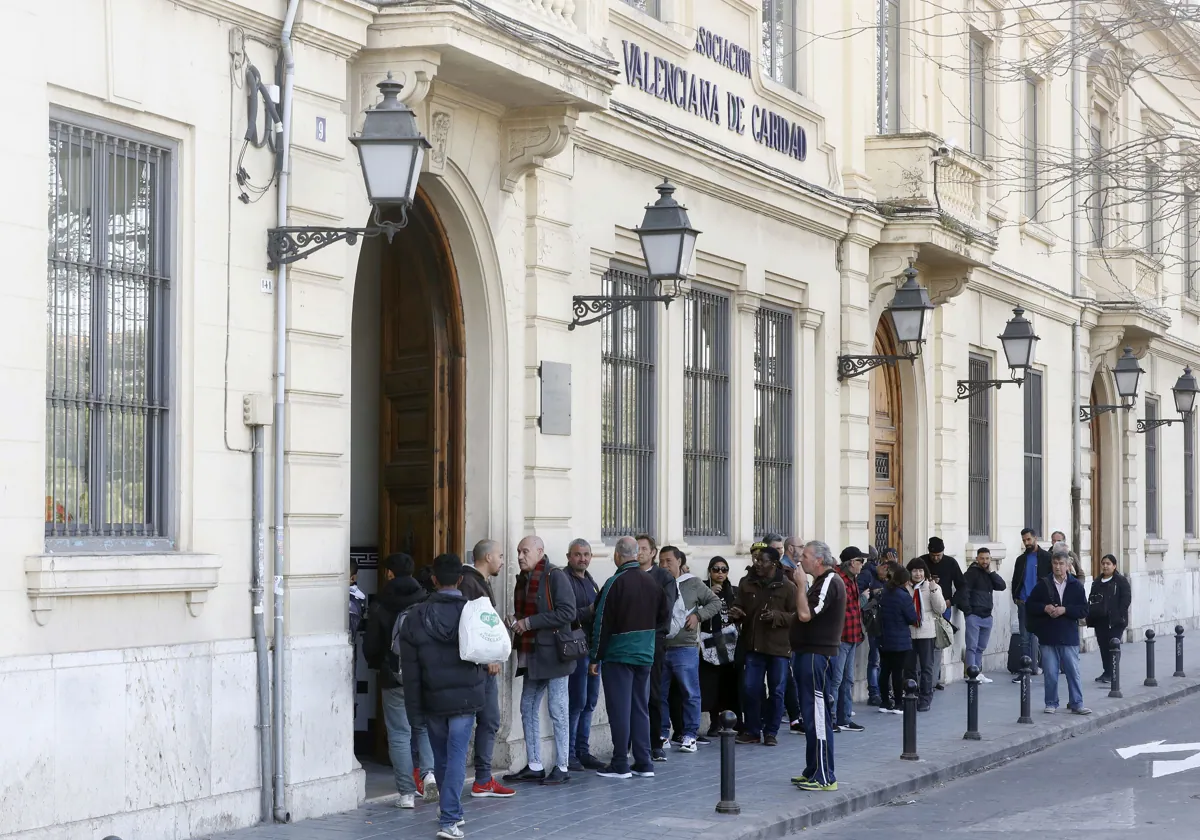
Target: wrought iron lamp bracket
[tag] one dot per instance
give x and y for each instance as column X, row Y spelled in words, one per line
column 1088, row 412
column 288, row 244
column 968, row 388
column 588, row 309
column 1144, row 426
column 851, row 366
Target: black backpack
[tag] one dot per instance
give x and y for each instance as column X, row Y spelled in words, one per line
column 392, row 658
column 871, row 620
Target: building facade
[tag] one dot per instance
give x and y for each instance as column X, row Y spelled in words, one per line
column 434, row 389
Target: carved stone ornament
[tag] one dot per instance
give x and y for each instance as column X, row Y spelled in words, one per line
column 529, row 138
column 439, row 138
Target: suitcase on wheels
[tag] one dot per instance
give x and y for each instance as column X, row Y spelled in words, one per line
column 1015, row 651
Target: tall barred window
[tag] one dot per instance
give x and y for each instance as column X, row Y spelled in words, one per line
column 774, row 424
column 706, row 415
column 108, row 336
column 627, row 408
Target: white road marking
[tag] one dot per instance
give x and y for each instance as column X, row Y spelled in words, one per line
column 1164, row 768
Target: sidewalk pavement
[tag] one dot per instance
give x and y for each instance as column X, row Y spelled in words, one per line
column 679, row 803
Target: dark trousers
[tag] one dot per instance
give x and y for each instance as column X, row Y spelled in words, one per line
column 660, row 645
column 1105, row 633
column 627, row 697
column 675, row 704
column 891, row 677
column 815, row 673
column 719, row 692
column 920, row 666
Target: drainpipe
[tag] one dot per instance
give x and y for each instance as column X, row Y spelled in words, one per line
column 285, row 157
column 259, row 619
column 1076, row 329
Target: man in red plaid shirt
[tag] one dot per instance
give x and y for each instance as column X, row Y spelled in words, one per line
column 841, row 684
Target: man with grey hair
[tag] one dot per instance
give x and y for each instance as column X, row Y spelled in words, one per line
column 629, row 610
column 816, row 640
column 1054, row 607
column 583, row 688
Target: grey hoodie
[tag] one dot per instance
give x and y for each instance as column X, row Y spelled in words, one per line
column 698, row 599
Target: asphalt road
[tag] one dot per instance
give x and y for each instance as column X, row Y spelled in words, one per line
column 1080, row 788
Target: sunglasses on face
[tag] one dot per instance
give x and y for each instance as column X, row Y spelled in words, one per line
column 720, row 570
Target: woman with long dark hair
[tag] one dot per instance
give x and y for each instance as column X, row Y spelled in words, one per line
column 1108, row 610
column 896, row 615
column 719, row 677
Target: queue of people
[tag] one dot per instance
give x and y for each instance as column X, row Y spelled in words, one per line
column 666, row 647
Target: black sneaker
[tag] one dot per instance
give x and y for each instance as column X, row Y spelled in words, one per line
column 714, row 732
column 590, row 762
column 702, row 741
column 676, row 740
column 643, row 772
column 525, row 775
column 558, row 776
column 1017, row 678
column 940, row 687
column 609, row 772
column 837, row 728
column 575, row 766
column 853, row 727
column 797, row 727
column 658, row 754
column 874, row 700
column 1104, row 678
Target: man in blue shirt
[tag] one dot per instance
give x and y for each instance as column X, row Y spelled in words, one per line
column 1031, row 566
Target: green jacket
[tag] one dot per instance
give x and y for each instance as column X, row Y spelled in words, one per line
column 697, row 599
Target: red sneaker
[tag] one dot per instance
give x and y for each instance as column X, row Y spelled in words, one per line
column 491, row 789
column 420, row 783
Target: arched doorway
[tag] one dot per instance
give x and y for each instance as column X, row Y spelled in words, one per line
column 887, row 446
column 421, row 392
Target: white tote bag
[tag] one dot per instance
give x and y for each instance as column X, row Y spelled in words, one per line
column 482, row 636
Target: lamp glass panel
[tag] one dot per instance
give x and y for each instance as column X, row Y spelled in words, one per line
column 1127, row 382
column 1185, row 399
column 909, row 324
column 1019, row 351
column 689, row 252
column 661, row 251
column 387, row 169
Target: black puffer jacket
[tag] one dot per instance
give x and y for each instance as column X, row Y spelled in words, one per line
column 436, row 681
column 399, row 594
column 975, row 596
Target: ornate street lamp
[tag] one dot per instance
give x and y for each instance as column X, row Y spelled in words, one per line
column 1020, row 343
column 390, row 149
column 1184, row 391
column 1126, row 372
column 668, row 245
column 909, row 311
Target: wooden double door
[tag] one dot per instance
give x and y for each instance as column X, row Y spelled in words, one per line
column 422, row 409
column 887, row 447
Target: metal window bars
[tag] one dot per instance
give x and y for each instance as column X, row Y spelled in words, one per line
column 706, row 415
column 979, row 453
column 774, row 425
column 628, row 409
column 108, row 293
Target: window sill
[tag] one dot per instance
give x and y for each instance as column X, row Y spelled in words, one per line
column 1156, row 547
column 1036, row 230
column 1192, row 307
column 49, row 577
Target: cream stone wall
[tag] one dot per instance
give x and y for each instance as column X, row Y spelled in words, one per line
column 132, row 711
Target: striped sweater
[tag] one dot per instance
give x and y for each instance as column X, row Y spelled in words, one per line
column 629, row 609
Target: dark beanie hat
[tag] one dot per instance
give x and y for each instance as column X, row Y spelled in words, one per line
column 936, row 545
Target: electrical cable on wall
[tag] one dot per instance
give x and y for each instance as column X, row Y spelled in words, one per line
column 269, row 136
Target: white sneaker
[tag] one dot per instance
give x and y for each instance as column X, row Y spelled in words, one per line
column 431, row 791
column 984, row 679
column 451, row 832
column 688, row 745
column 406, row 800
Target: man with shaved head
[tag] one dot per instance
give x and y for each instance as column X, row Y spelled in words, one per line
column 543, row 603
column 487, row 561
column 629, row 610
column 584, row 688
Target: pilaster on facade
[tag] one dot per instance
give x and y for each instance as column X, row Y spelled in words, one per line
column 813, row 458
column 856, row 270
column 741, row 533
column 1132, row 515
column 948, row 478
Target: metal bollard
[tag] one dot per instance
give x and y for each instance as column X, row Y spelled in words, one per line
column 1150, row 681
column 972, row 733
column 1179, row 651
column 910, row 722
column 1026, row 691
column 1115, row 690
column 728, row 803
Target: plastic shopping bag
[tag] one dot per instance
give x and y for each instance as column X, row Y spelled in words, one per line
column 482, row 636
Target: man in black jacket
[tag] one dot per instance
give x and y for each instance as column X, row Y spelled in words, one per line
column 444, row 692
column 974, row 600
column 647, row 553
column 1031, row 566
column 400, row 594
column 583, row 687
column 945, row 571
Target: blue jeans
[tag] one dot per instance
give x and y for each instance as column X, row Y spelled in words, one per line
column 841, row 684
column 774, row 669
column 487, row 724
column 873, row 666
column 1066, row 658
column 979, row 633
column 449, row 737
column 400, row 741
column 682, row 664
column 815, row 673
column 627, row 698
column 560, row 716
column 584, row 694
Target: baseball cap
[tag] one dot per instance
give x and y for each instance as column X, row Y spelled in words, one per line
column 851, row 552
column 757, row 547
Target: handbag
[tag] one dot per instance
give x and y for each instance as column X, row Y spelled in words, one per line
column 944, row 630
column 569, row 643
